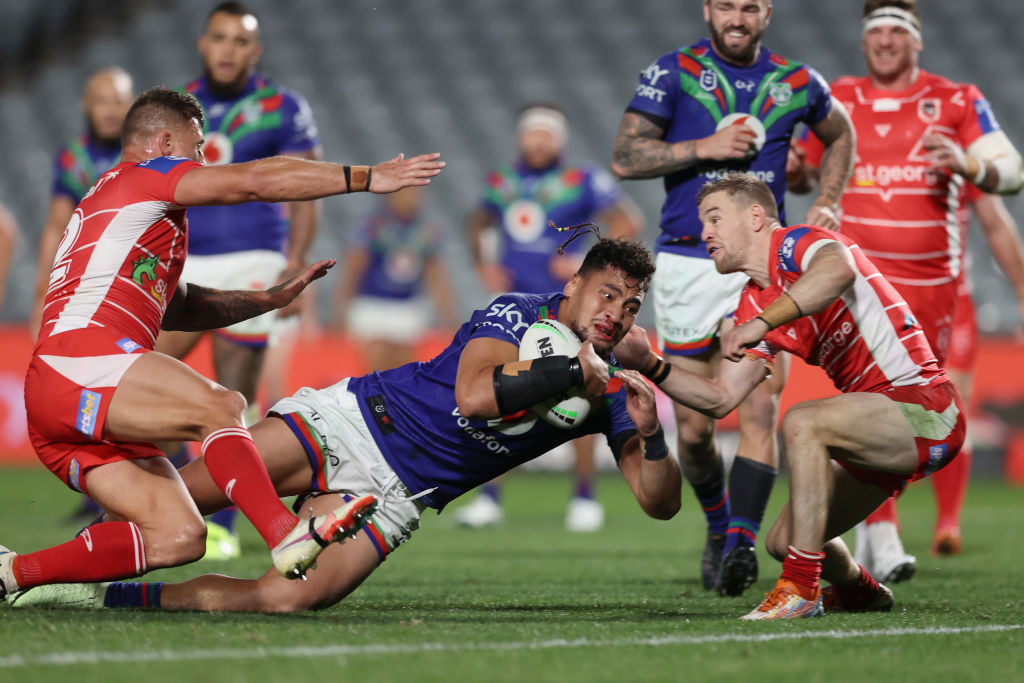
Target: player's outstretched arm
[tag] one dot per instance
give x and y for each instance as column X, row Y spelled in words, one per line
column 196, row 308
column 645, row 462
column 837, row 134
column 285, row 179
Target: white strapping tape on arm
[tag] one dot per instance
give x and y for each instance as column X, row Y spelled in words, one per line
column 996, row 148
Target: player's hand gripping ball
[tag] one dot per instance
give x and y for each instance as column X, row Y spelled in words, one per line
column 552, row 338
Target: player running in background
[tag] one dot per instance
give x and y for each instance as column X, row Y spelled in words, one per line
column 726, row 103
column 97, row 395
column 105, row 100
column 420, row 435
column 921, row 140
column 395, row 254
column 814, row 293
column 252, row 245
column 515, row 251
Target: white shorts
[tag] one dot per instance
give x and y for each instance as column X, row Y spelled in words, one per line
column 250, row 270
column 401, row 322
column 691, row 299
column 345, row 459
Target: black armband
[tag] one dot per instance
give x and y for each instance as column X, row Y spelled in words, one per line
column 658, row 372
column 547, row 377
column 654, row 445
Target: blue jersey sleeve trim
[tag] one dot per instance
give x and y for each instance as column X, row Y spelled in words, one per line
column 162, row 164
column 787, row 250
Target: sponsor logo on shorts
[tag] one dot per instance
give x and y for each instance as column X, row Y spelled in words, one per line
column 74, row 472
column 127, row 345
column 87, row 537
column 937, row 456
column 88, row 409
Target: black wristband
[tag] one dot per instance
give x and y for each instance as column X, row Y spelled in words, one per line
column 547, row 377
column 658, row 372
column 655, row 447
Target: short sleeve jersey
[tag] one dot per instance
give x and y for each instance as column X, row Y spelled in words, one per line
column 263, row 120
column 692, row 93
column 79, row 164
column 119, row 260
column 522, row 201
column 412, row 414
column 867, row 340
column 399, row 250
column 906, row 217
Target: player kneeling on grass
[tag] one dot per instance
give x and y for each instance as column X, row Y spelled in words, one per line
column 422, row 434
column 813, row 293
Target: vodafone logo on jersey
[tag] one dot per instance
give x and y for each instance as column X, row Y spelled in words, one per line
column 217, row 149
column 750, row 121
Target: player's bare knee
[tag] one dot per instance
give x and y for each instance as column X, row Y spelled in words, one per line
column 180, row 543
column 225, row 408
column 696, row 435
column 800, row 423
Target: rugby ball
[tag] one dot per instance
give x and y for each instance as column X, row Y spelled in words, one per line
column 749, row 121
column 552, row 338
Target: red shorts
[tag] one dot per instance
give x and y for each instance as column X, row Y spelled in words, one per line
column 934, row 307
column 963, row 339
column 938, row 422
column 68, row 388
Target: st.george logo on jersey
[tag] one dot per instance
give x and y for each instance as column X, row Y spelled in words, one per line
column 552, row 338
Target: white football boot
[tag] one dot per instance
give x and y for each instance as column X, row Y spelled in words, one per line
column 890, row 563
column 584, row 515
column 482, row 512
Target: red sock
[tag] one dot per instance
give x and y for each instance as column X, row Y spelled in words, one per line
column 102, row 552
column 237, row 469
column 886, row 512
column 804, row 569
column 861, row 593
column 950, row 485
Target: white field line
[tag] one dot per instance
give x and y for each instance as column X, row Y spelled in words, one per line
column 76, row 658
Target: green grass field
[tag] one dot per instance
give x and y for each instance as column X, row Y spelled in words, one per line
column 530, row 602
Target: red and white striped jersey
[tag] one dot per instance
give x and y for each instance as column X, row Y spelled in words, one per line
column 118, row 263
column 867, row 340
column 907, row 219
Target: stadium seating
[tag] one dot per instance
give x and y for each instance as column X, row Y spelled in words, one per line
column 389, row 76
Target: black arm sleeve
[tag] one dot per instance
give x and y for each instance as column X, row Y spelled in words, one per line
column 547, row 377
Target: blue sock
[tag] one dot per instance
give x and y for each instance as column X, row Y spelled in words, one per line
column 492, row 491
column 750, row 486
column 584, row 487
column 714, row 500
column 181, row 457
column 225, row 518
column 131, row 594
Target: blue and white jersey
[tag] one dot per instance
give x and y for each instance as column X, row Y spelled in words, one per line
column 399, row 251
column 522, row 200
column 263, row 120
column 691, row 92
column 412, row 414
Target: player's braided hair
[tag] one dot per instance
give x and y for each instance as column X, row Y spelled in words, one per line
column 745, row 185
column 157, row 107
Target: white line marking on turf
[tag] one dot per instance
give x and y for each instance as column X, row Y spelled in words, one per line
column 74, row 658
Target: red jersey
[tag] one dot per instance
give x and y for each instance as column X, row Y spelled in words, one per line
column 907, row 218
column 119, row 260
column 867, row 340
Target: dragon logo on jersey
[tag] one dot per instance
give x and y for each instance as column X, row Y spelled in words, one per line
column 147, row 267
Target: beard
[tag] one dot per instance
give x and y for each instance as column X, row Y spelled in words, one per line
column 741, row 55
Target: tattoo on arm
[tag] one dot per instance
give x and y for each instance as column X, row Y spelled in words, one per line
column 202, row 308
column 640, row 151
column 836, row 132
